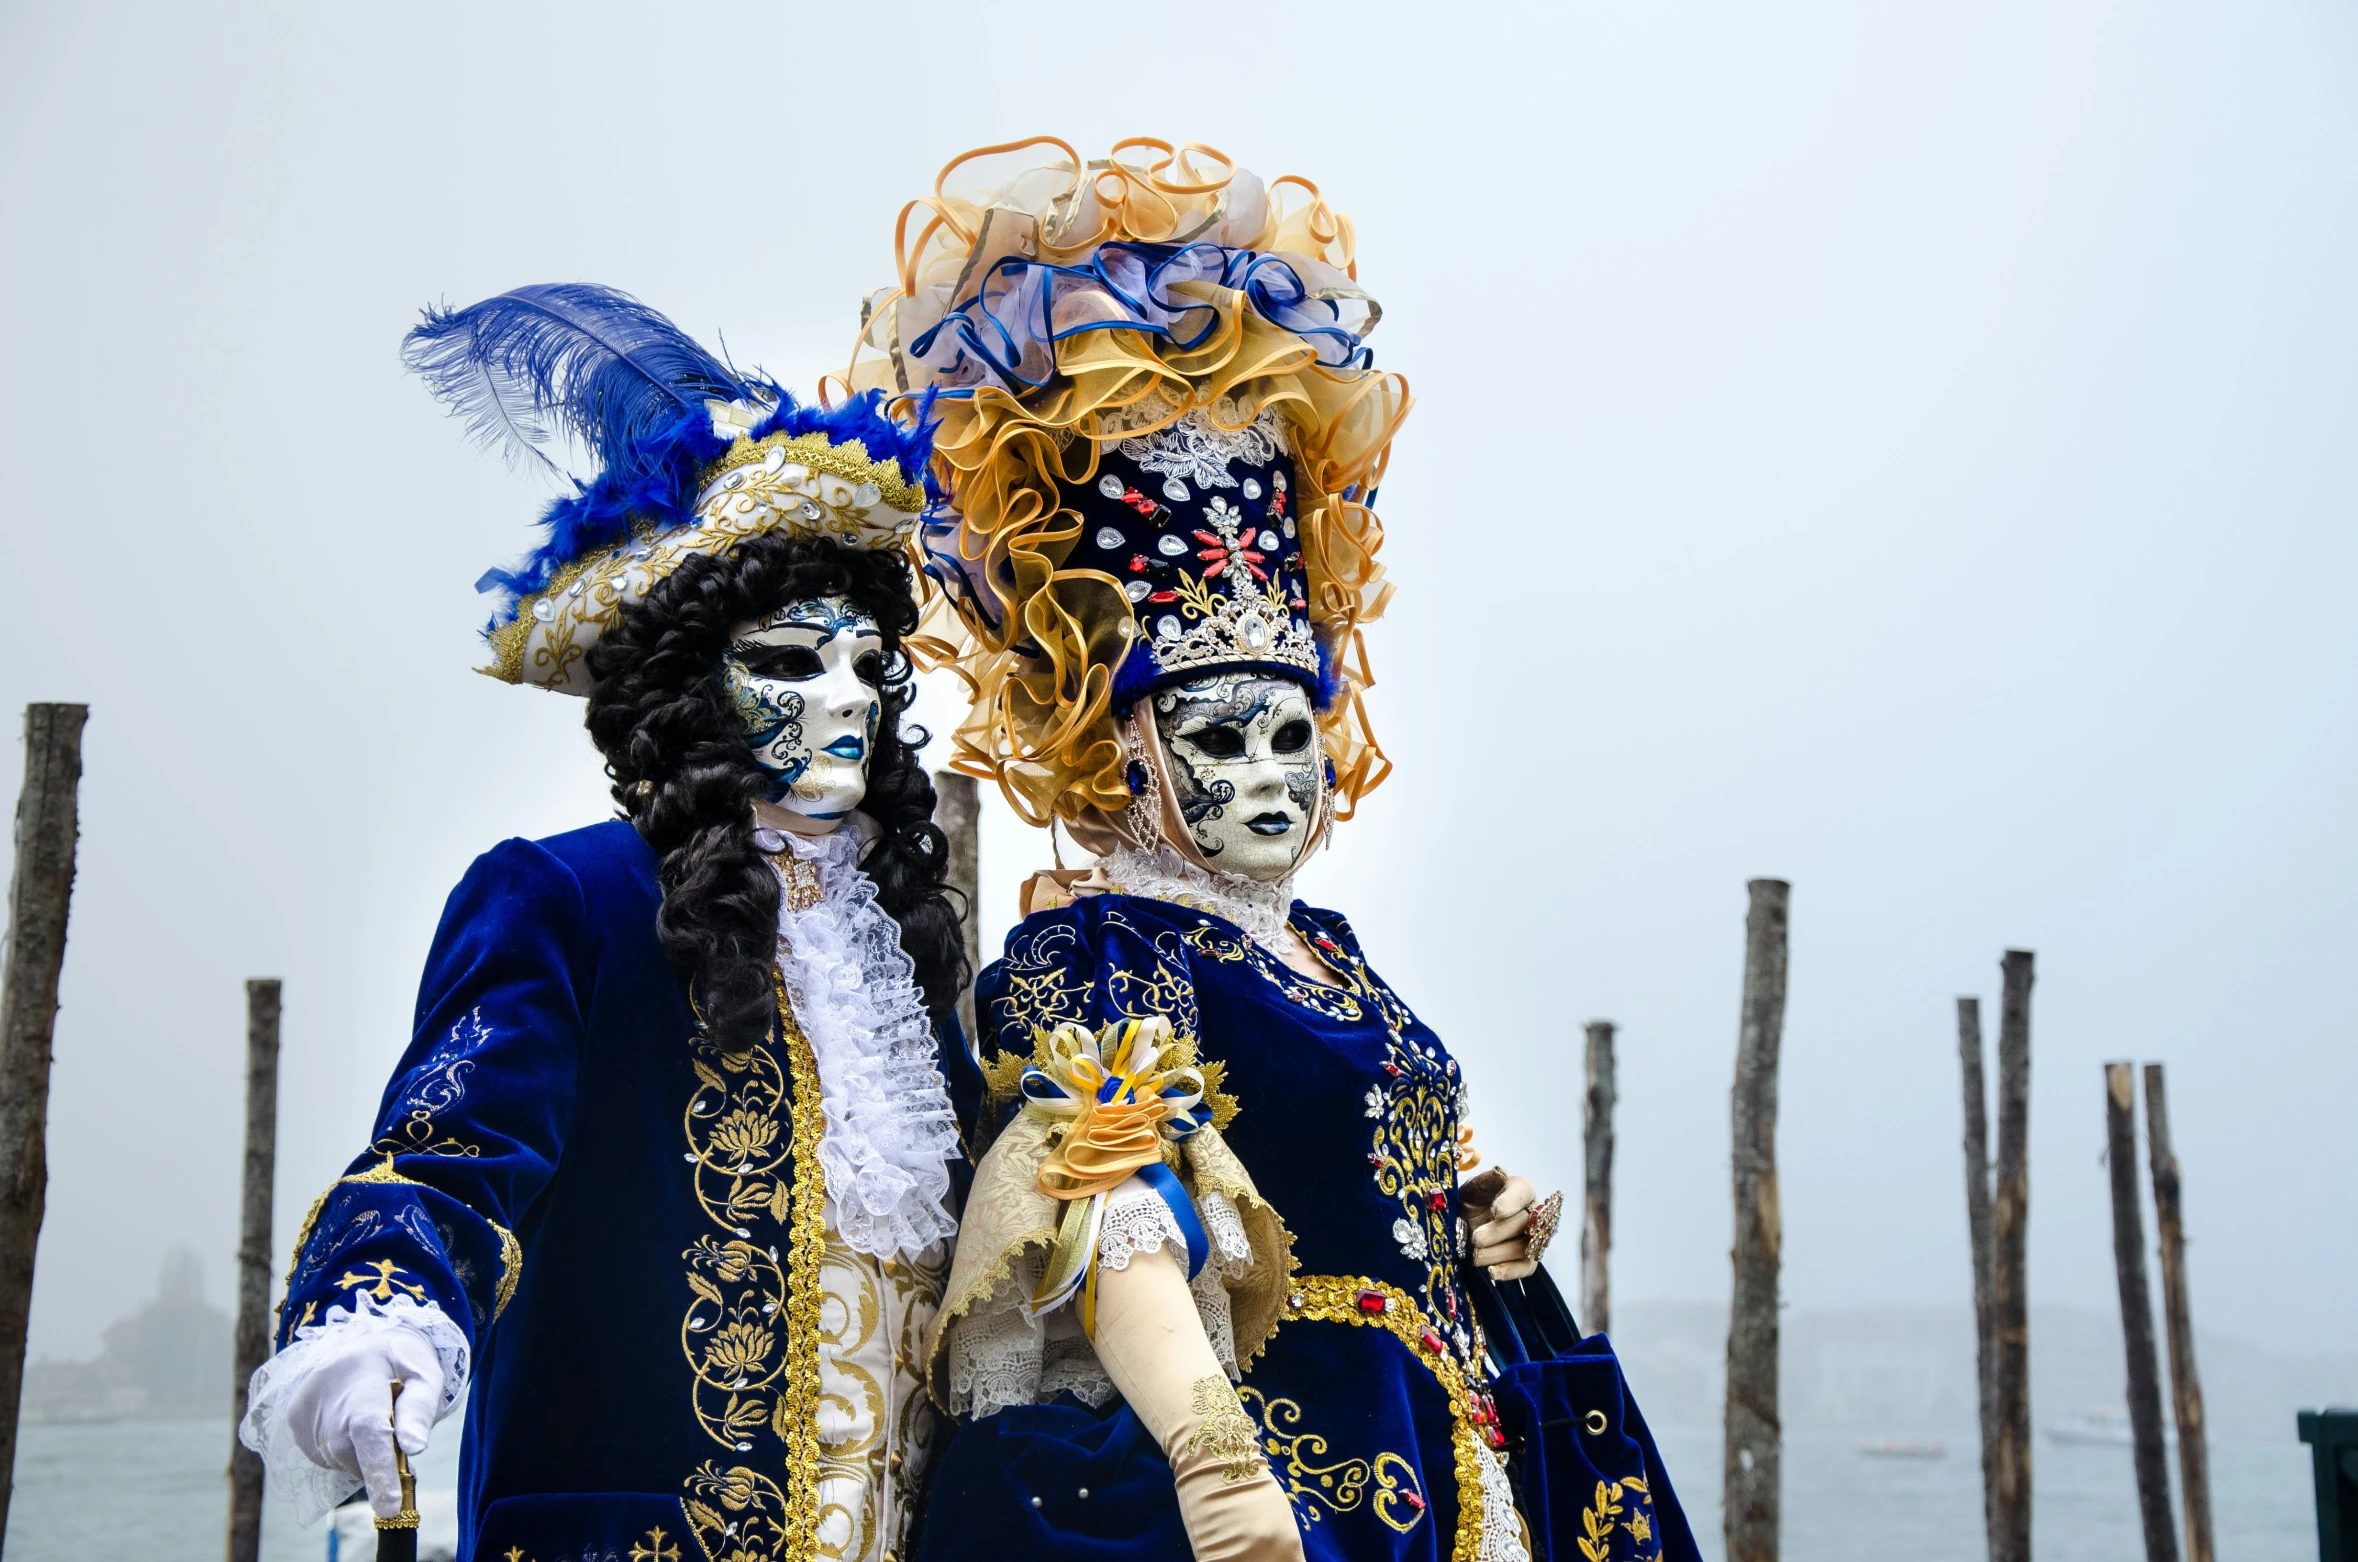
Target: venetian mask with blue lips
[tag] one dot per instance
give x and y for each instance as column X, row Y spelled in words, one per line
column 806, row 684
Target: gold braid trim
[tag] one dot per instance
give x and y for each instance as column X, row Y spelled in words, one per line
column 1335, row 1299
column 798, row 1408
column 849, row 461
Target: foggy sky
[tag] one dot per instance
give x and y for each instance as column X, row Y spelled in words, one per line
column 1904, row 450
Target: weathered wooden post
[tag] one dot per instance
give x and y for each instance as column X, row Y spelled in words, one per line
column 252, row 1341
column 2128, row 1262
column 2194, row 1460
column 1977, row 1231
column 40, row 889
column 958, row 810
column 1752, row 1478
column 2010, row 1492
column 1596, row 1227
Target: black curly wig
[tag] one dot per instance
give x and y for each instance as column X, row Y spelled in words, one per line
column 685, row 777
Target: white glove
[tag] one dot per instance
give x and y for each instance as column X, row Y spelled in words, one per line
column 343, row 1416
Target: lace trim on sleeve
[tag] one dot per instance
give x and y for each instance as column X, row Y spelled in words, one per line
column 316, row 1491
column 1000, row 1356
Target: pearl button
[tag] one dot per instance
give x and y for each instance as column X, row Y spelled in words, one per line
column 1084, row 1493
column 1035, row 1502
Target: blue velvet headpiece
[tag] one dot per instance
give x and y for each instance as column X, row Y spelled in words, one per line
column 1197, row 524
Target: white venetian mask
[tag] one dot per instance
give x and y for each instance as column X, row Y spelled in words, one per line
column 1245, row 755
column 805, row 682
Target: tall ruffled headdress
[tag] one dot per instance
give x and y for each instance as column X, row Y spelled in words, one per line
column 1158, row 433
column 692, row 457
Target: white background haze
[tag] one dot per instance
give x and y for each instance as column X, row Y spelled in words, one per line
column 1905, row 450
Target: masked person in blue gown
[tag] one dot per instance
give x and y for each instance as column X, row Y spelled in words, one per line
column 662, row 1188
column 1217, row 1286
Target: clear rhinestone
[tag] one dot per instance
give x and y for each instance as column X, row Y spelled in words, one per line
column 867, row 496
column 1167, row 627
column 1109, row 538
column 810, row 509
column 1252, row 488
column 579, row 586
column 1110, row 486
column 1174, row 490
column 1269, row 542
column 1136, row 590
column 544, row 610
column 1289, row 525
column 1169, row 547
column 775, row 459
column 736, row 480
column 1256, row 633
column 643, row 552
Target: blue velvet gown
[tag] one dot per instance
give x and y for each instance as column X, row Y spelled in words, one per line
column 1371, row 1397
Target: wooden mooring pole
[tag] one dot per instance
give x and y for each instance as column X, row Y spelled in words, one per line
column 40, row 890
column 1752, row 1468
column 2128, row 1261
column 957, row 809
column 1596, row 1226
column 1977, row 1229
column 2194, row 1460
column 2010, row 1491
column 251, row 1344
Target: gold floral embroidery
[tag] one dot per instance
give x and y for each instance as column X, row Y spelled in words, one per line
column 1414, row 1162
column 1235, row 949
column 752, row 1330
column 1375, row 1304
column 1597, row 1521
column 1338, row 1487
column 653, row 1549
column 1225, row 1435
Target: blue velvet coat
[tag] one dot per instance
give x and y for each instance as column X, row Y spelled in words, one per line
column 1373, row 1397
column 608, row 1208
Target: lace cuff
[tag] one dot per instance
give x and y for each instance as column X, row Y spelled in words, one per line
column 316, row 1491
column 1138, row 1221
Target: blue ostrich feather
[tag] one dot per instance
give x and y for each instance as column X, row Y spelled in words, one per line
column 566, row 358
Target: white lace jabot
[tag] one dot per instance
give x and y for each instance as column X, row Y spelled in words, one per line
column 1162, row 874
column 890, row 1133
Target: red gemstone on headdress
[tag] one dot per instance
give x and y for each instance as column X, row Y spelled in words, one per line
column 1137, row 563
column 1162, row 596
column 1139, row 502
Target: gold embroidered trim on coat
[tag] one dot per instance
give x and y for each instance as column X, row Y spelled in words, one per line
column 511, row 1252
column 740, row 1287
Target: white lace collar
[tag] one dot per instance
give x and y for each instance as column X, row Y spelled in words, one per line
column 890, row 1132
column 1262, row 910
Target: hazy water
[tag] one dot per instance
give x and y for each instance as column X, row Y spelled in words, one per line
column 156, row 1493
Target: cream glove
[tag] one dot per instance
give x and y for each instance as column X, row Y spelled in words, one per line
column 1498, row 1207
column 1151, row 1342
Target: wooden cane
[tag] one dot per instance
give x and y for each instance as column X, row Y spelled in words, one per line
column 397, row 1537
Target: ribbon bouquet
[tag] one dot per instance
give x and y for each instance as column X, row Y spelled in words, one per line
column 1126, row 1113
